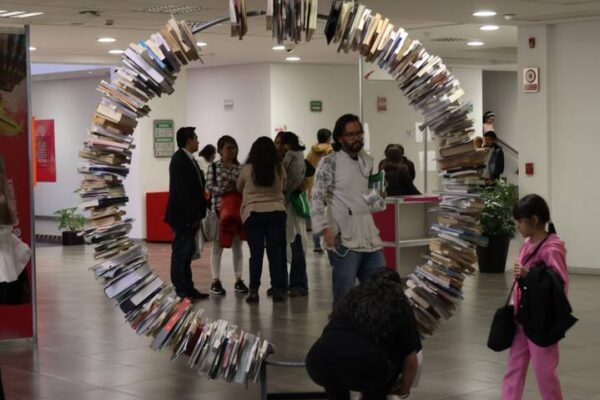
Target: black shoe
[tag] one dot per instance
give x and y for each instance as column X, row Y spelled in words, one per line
column 318, row 251
column 196, row 295
column 278, row 296
column 240, row 286
column 217, row 288
column 297, row 292
column 252, row 297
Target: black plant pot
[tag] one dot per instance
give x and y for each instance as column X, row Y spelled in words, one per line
column 492, row 259
column 71, row 239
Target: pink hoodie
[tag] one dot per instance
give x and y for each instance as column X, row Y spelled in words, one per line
column 552, row 253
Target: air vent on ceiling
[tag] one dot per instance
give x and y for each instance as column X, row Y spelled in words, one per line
column 174, row 9
column 450, row 40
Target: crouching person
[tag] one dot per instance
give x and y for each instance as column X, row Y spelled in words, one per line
column 370, row 344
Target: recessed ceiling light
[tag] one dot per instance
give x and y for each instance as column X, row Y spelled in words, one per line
column 293, row 58
column 107, row 39
column 31, row 48
column 201, row 44
column 11, row 13
column 116, row 51
column 279, row 48
column 475, row 43
column 27, row 15
column 489, row 28
column 484, row 13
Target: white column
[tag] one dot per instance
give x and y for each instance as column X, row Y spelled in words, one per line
column 533, row 118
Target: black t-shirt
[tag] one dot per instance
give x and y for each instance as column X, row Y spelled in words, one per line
column 345, row 339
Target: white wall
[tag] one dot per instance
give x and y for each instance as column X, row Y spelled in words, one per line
column 249, row 88
column 293, row 86
column 500, row 95
column 471, row 80
column 575, row 140
column 70, row 103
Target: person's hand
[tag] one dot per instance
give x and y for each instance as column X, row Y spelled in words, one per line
column 401, row 392
column 329, row 237
column 519, row 271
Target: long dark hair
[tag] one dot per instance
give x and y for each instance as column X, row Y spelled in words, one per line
column 340, row 125
column 264, row 160
column 224, row 141
column 291, row 139
column 207, row 152
column 378, row 308
column 534, row 205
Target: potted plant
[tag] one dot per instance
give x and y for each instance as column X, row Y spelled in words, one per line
column 498, row 225
column 70, row 223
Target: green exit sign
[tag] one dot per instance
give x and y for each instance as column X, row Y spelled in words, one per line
column 316, row 106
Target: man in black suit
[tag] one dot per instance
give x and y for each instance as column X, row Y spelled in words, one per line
column 185, row 209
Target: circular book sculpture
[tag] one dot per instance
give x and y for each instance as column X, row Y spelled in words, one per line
column 149, row 68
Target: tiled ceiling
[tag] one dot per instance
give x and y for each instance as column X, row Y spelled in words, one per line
column 68, row 29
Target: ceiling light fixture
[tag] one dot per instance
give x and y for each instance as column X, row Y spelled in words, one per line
column 116, row 51
column 293, row 58
column 107, row 39
column 278, row 48
column 31, row 48
column 489, row 28
column 475, row 43
column 27, row 15
column 484, row 13
column 12, row 13
column 201, row 44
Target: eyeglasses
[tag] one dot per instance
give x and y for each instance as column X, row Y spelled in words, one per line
column 354, row 135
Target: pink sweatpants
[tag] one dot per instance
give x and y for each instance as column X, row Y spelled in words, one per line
column 545, row 362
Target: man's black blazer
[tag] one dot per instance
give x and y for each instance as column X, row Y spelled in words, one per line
column 186, row 204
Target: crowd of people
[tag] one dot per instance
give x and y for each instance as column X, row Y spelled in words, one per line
column 281, row 195
column 371, row 342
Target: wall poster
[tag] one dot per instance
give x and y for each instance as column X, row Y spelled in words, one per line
column 45, row 154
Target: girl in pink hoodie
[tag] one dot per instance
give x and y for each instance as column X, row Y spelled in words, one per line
column 532, row 215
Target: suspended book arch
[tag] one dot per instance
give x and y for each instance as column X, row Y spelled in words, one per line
column 149, row 69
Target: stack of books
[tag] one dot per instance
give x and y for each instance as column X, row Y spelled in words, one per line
column 434, row 288
column 288, row 19
column 149, row 69
column 216, row 348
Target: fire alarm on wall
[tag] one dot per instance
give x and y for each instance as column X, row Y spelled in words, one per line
column 532, row 43
column 529, row 169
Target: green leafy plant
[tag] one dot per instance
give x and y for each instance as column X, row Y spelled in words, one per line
column 68, row 220
column 496, row 217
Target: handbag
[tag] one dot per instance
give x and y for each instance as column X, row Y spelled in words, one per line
column 504, row 327
column 299, row 202
column 210, row 224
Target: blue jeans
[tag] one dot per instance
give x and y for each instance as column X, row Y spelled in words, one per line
column 267, row 228
column 298, row 278
column 348, row 265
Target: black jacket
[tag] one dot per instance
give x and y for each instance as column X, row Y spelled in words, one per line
column 496, row 162
column 186, row 204
column 544, row 312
